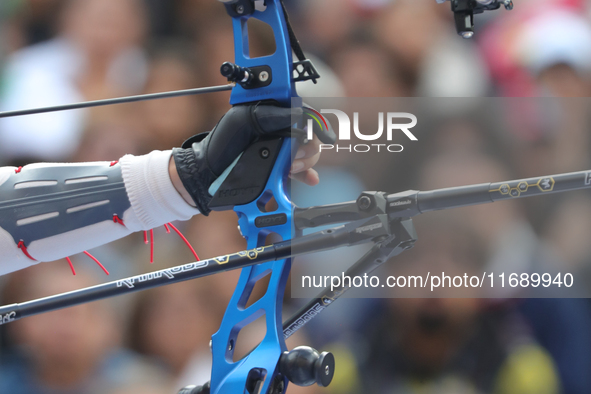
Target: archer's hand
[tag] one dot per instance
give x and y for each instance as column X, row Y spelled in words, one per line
column 203, row 158
column 306, row 158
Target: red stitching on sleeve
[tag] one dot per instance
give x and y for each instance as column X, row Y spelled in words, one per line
column 98, row 262
column 71, row 266
column 185, row 240
column 21, row 246
column 117, row 219
column 151, row 246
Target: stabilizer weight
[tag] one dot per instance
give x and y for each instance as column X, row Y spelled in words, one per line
column 304, row 366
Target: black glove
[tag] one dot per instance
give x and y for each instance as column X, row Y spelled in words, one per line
column 204, row 157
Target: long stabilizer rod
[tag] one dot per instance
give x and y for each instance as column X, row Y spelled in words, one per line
column 455, row 197
column 412, row 203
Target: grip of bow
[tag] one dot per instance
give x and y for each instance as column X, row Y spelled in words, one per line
column 270, row 79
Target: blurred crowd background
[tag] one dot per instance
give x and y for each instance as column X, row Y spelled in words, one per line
column 61, row 51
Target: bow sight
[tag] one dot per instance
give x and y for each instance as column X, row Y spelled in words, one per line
column 464, row 11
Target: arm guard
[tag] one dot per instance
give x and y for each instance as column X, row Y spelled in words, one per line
column 50, row 211
column 44, row 200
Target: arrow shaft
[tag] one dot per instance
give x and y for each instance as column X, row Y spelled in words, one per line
column 120, row 100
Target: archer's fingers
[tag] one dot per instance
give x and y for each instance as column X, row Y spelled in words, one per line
column 304, row 164
column 312, row 148
column 309, row 177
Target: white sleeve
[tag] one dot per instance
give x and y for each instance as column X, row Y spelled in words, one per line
column 154, row 202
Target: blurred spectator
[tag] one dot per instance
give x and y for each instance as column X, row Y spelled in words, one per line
column 435, row 63
column 112, row 132
column 556, row 47
column 180, row 18
column 366, row 70
column 36, row 20
column 215, row 40
column 457, row 345
column 10, row 35
column 562, row 326
column 75, row 350
column 543, row 48
column 174, row 324
column 328, row 24
column 94, row 56
column 169, row 122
